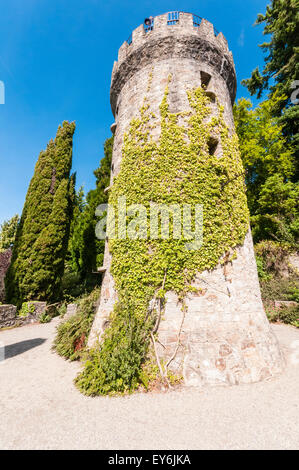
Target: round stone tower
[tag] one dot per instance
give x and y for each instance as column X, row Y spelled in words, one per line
column 224, row 336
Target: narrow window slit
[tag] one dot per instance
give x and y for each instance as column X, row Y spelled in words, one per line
column 212, row 96
column 212, row 145
column 205, row 79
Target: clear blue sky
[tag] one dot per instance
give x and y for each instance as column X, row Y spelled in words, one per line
column 56, row 58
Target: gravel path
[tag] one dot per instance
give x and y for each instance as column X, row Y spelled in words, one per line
column 41, row 409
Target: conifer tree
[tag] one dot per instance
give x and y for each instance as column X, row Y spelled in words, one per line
column 42, row 235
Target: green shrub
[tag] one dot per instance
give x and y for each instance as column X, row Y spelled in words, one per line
column 294, row 293
column 280, row 288
column 72, row 286
column 272, row 257
column 62, row 309
column 278, row 281
column 72, row 334
column 262, row 273
column 115, row 367
column 44, row 318
column 26, row 309
column 288, row 315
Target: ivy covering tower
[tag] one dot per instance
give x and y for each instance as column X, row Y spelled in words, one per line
column 194, row 310
column 42, row 236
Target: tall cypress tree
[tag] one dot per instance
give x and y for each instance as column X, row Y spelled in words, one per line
column 42, row 236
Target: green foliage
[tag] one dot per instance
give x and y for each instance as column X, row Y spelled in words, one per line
column 177, row 169
column 62, row 309
column 41, row 241
column 85, row 250
column 273, row 256
column 294, row 293
column 73, row 286
column 72, row 334
column 116, row 366
column 45, row 318
column 73, row 254
column 278, row 281
column 280, row 288
column 278, row 211
column 8, row 233
column 26, row 309
column 269, row 165
column 288, row 315
column 263, row 148
column 150, row 377
column 262, row 273
column 281, row 22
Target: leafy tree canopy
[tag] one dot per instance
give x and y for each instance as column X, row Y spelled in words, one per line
column 269, row 166
column 8, row 233
column 281, row 70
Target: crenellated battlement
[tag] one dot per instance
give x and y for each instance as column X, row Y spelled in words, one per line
column 163, row 25
column 173, row 34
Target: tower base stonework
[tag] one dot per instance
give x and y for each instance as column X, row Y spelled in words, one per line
column 220, row 335
column 224, row 337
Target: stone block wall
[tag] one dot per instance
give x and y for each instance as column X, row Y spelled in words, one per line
column 225, row 337
column 8, row 315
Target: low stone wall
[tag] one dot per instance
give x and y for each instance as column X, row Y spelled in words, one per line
column 32, row 311
column 9, row 317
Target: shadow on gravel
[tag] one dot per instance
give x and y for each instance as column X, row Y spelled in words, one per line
column 18, row 348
